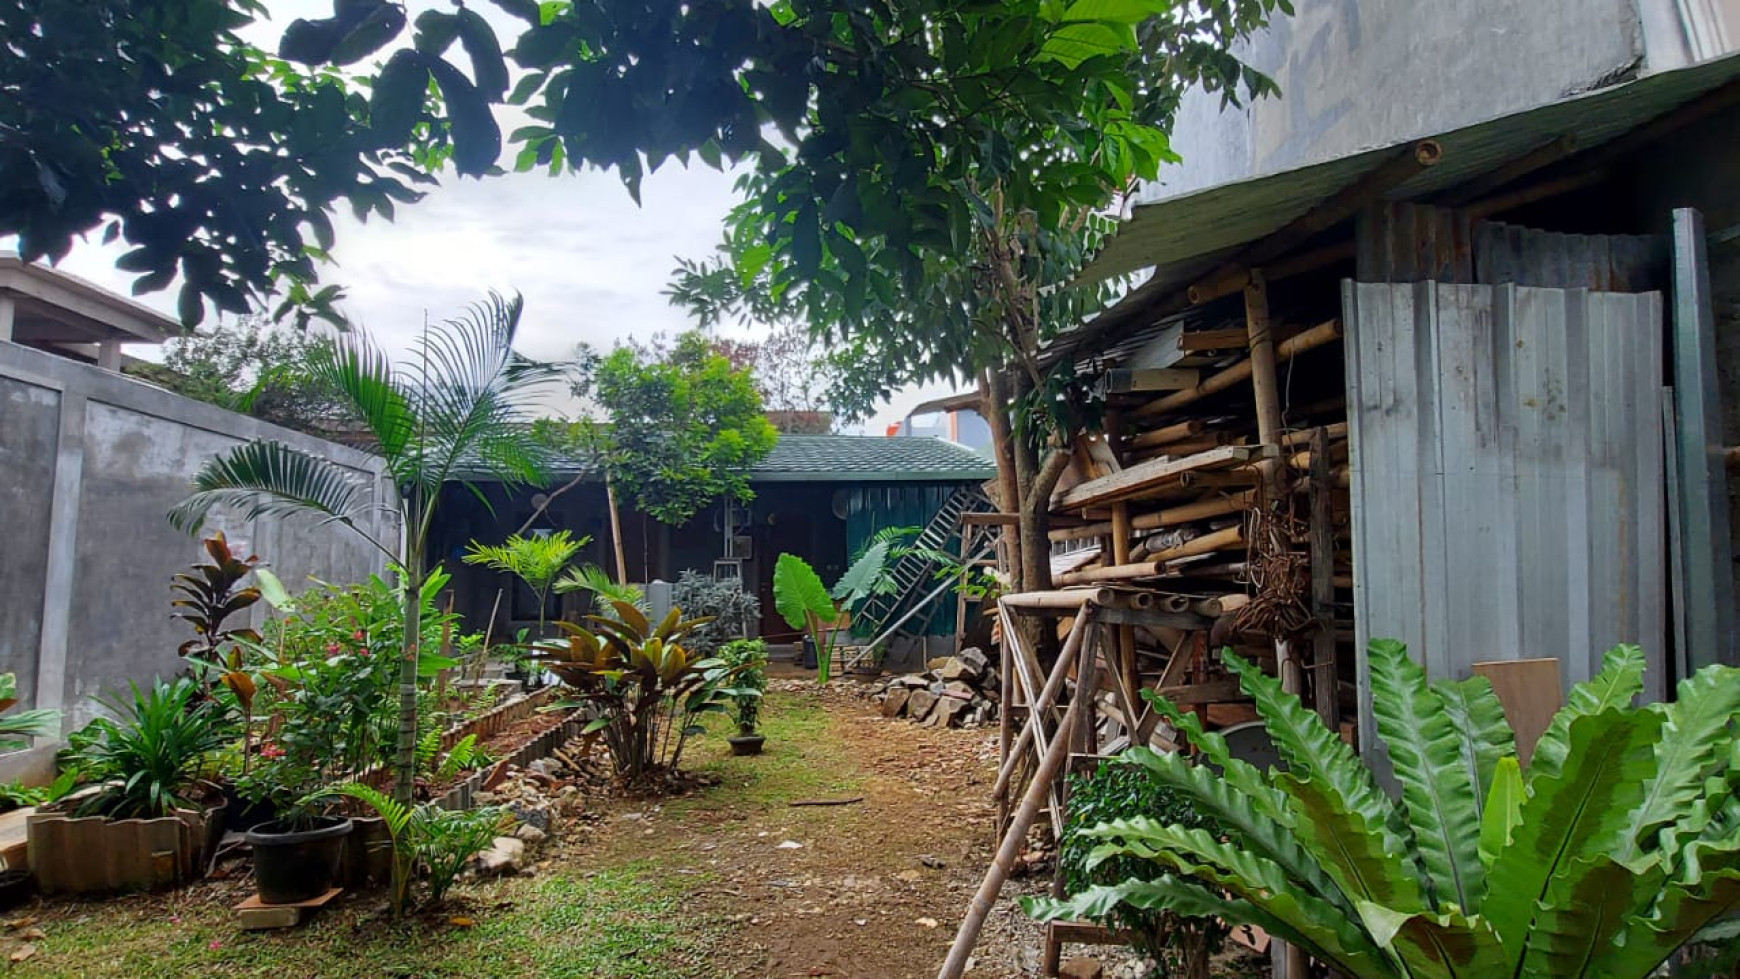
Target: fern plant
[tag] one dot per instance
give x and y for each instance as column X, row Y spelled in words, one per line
column 1617, row 845
column 426, row 839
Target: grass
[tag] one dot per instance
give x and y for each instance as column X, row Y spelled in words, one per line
column 614, row 913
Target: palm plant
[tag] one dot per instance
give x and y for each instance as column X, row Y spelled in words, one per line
column 536, row 560
column 1619, row 843
column 149, row 756
column 450, row 413
column 16, row 727
column 604, row 589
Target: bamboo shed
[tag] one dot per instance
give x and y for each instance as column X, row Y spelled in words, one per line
column 1458, row 391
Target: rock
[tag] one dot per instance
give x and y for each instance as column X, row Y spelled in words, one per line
column 504, row 857
column 1081, row 969
column 949, row 712
column 959, row 690
column 975, row 659
column 530, row 834
column 936, row 663
column 532, row 815
column 937, row 687
column 919, row 705
column 895, row 704
column 910, row 682
column 547, row 767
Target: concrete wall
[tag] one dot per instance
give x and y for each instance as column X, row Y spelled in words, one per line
column 91, row 462
column 1355, row 74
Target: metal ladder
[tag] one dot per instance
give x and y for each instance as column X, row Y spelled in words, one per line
column 914, row 573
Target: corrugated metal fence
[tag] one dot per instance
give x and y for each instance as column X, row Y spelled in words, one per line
column 1507, row 474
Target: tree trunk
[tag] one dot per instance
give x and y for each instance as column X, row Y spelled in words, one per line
column 405, row 760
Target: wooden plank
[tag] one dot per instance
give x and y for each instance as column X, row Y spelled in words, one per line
column 1212, row 692
column 1119, row 380
column 1147, row 475
column 1232, row 338
column 1319, row 335
column 991, row 519
column 1531, row 693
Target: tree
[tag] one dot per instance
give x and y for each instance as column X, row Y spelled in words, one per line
column 448, row 414
column 154, row 121
column 681, row 426
column 796, row 385
column 250, row 366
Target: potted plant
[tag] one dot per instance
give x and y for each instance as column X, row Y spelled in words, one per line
column 747, row 661
column 297, row 854
column 149, row 763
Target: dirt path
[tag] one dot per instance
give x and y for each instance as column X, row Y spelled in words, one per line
column 872, row 888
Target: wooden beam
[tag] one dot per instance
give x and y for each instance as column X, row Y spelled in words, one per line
column 1318, row 336
column 1234, row 280
column 1552, row 151
column 1119, row 380
column 1169, row 433
column 1147, row 475
column 991, row 519
column 1531, row 193
column 1264, row 385
column 1212, row 692
column 1231, row 338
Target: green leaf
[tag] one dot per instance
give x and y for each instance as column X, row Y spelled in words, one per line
column 1577, row 813
column 860, row 580
column 396, row 103
column 274, row 591
column 798, row 593
column 271, row 479
column 1586, row 904
column 1618, row 683
column 1439, row 794
column 1503, row 809
column 1479, row 720
column 488, row 69
column 1696, row 737
column 436, row 30
column 309, row 42
column 374, row 32
column 476, row 137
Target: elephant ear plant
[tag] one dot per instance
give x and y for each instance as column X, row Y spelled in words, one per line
column 1618, row 844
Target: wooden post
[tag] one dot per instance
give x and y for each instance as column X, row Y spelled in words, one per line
column 1122, row 531
column 616, row 529
column 1005, row 720
column 1044, row 703
column 998, row 874
column 1324, row 678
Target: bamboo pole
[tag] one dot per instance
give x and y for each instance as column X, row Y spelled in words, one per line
column 1319, row 335
column 1188, row 512
column 1214, row 608
column 1323, row 672
column 1115, row 572
column 1169, row 433
column 1064, row 599
column 1047, row 701
column 998, row 873
column 1220, row 540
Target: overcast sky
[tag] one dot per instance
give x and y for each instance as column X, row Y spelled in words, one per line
column 590, row 263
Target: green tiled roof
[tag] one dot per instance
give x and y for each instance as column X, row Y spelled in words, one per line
column 855, row 459
column 870, row 458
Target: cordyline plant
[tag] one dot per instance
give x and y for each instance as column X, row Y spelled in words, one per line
column 1619, row 843
column 645, row 689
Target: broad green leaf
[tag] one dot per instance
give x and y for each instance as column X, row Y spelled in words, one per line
column 1586, row 903
column 488, row 69
column 1354, row 852
column 1428, row 944
column 1697, row 732
column 1327, row 931
column 1479, row 719
column 1439, row 794
column 859, row 581
column 1576, row 813
column 1503, row 809
column 274, row 591
column 1618, row 683
column 1679, row 913
column 1238, row 773
column 798, row 592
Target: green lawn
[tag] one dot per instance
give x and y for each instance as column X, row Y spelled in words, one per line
column 615, row 911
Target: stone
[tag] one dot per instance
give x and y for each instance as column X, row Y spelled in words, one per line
column 895, row 704
column 911, row 681
column 975, row 659
column 960, row 690
column 937, row 687
column 547, row 767
column 1081, row 969
column 919, row 705
column 949, row 712
column 532, row 815
column 936, row 664
column 530, row 834
column 504, row 857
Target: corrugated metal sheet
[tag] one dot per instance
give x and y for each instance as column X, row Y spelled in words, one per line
column 1186, row 236
column 1405, row 242
column 1508, row 494
column 1604, row 263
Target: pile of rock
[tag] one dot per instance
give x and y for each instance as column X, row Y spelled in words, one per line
column 546, row 792
column 955, row 691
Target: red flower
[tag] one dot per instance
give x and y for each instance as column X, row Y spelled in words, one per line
column 333, row 649
column 359, row 636
column 270, row 750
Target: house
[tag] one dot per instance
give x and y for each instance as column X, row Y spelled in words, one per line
column 820, row 497
column 955, row 417
column 64, row 315
column 1481, row 336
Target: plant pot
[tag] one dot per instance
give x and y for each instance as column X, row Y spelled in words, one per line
column 368, row 852
column 90, row 854
column 810, row 659
column 15, row 888
column 747, row 744
column 300, row 865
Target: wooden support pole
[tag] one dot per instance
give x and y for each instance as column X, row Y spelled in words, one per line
column 1551, row 151
column 1065, row 599
column 1046, row 701
column 1235, row 279
column 1317, row 336
column 1264, row 385
column 1322, row 534
column 1122, row 532
column 1200, row 510
column 998, row 874
column 1005, row 721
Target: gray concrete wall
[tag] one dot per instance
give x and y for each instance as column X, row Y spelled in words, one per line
column 1355, row 74
column 90, row 463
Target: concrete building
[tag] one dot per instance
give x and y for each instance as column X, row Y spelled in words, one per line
column 64, row 315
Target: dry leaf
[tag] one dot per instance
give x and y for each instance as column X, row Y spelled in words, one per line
column 24, row 952
column 13, row 924
column 926, row 922
column 461, row 921
column 32, row 934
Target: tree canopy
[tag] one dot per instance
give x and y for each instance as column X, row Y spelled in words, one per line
column 680, row 427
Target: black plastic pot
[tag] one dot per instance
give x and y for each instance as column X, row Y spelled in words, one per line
column 811, row 659
column 297, row 866
column 747, row 744
column 15, row 888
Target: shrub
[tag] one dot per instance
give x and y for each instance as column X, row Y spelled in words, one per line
column 644, row 689
column 428, row 841
column 735, row 613
column 1123, row 789
column 151, row 755
column 746, row 659
column 1619, row 844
